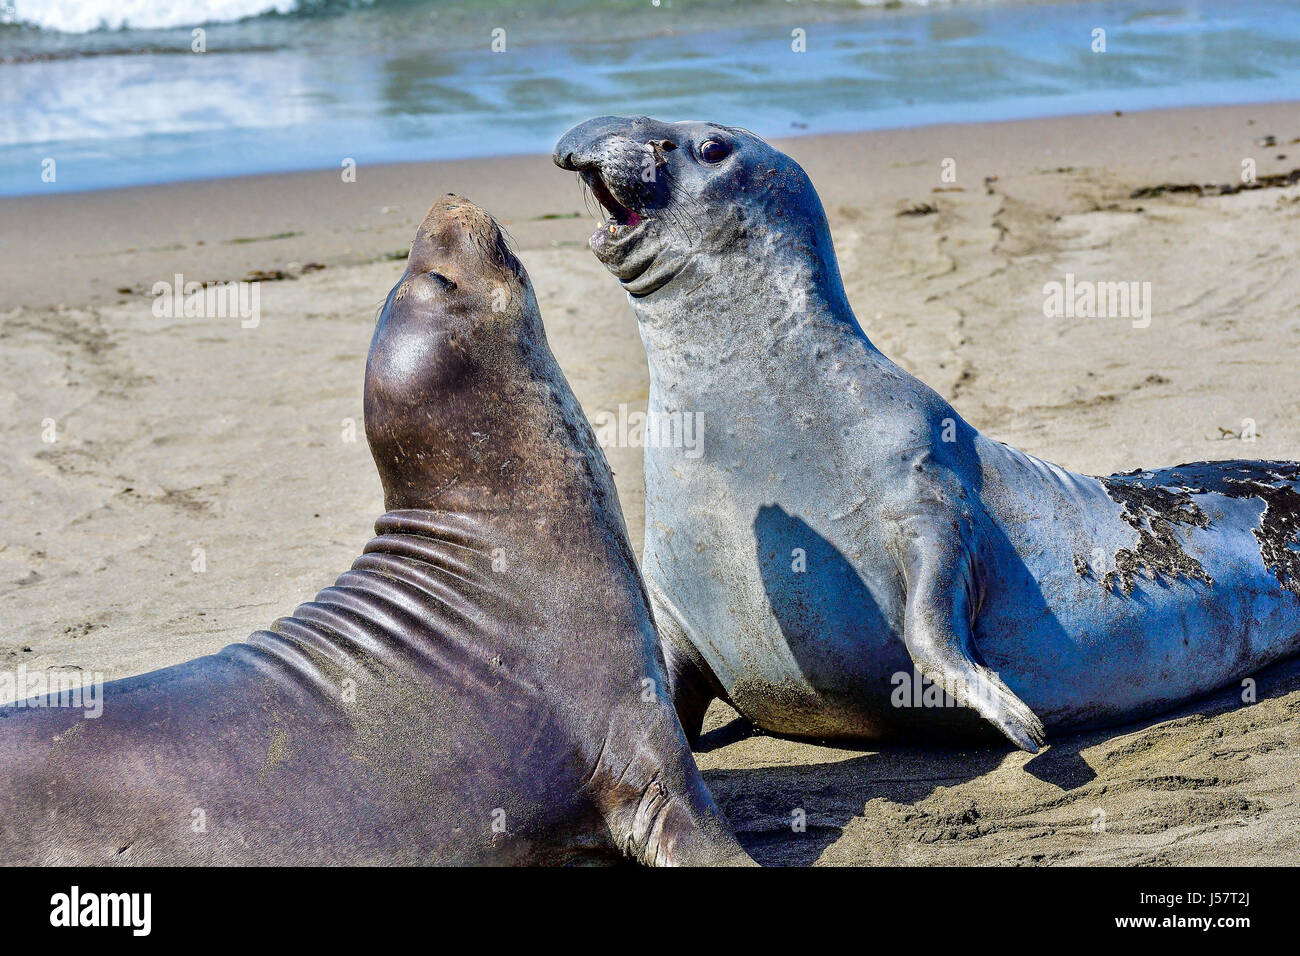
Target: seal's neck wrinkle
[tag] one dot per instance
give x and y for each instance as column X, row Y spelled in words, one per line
column 746, row 307
column 415, row 602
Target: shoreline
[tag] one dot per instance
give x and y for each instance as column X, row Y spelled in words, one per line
column 221, row 229
column 783, row 140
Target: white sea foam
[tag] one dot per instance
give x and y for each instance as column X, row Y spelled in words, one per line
column 81, row 16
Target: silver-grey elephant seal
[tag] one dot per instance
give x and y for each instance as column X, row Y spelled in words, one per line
column 484, row 686
column 843, row 555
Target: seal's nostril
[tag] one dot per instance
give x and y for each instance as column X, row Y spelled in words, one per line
column 447, row 284
column 659, row 147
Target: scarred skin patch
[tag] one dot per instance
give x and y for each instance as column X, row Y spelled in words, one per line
column 1153, row 512
column 1279, row 533
column 1154, row 503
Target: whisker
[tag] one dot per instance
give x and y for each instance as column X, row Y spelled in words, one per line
column 589, row 200
column 685, row 217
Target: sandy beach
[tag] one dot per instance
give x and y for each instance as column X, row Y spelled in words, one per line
column 204, row 478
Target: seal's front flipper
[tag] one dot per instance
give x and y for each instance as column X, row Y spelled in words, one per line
column 656, row 805
column 690, row 689
column 937, row 631
column 691, row 684
column 682, row 828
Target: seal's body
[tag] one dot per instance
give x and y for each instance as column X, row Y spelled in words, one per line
column 483, row 686
column 843, row 556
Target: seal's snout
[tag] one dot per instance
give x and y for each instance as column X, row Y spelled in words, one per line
column 588, row 145
column 452, row 219
column 458, row 239
column 576, row 149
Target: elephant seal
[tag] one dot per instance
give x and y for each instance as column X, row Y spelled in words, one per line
column 484, row 685
column 843, row 556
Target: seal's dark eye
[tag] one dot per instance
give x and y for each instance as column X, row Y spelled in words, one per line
column 714, row 151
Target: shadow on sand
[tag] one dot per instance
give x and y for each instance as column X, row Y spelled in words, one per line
column 760, row 801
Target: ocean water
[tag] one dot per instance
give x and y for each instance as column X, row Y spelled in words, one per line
column 124, row 92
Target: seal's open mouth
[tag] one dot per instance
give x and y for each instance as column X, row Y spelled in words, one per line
column 639, row 211
column 623, row 221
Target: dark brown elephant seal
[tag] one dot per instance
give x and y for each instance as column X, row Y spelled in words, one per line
column 483, row 686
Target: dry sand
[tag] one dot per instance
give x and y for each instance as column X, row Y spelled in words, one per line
column 195, row 443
